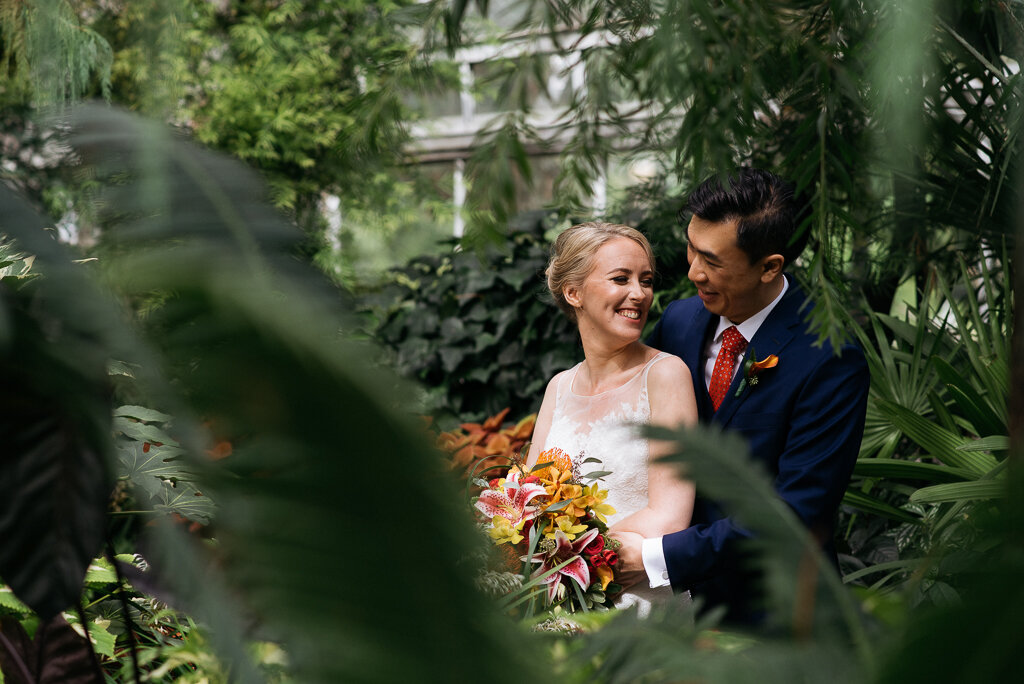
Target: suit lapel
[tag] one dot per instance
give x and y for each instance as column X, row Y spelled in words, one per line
column 773, row 335
column 702, row 325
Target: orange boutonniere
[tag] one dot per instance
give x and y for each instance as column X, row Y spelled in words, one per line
column 752, row 370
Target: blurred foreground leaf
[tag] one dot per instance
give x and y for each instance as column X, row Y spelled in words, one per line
column 336, row 527
column 54, row 422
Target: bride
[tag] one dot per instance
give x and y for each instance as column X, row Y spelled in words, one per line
column 601, row 276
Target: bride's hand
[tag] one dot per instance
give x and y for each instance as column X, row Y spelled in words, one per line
column 630, row 568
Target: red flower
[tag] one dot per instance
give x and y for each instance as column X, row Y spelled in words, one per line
column 529, row 480
column 604, row 557
column 595, row 546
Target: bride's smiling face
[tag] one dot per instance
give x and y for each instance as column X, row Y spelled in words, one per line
column 617, row 293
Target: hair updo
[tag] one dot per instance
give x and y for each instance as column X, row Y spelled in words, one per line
column 572, row 256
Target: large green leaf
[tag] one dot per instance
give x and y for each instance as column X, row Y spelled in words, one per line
column 54, row 422
column 993, row 443
column 869, row 504
column 910, row 470
column 56, row 653
column 938, row 442
column 336, row 523
column 961, row 491
column 166, row 478
column 982, row 416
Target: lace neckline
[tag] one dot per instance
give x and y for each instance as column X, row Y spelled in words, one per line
column 628, row 382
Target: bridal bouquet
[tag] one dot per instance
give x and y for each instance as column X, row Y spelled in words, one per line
column 553, row 520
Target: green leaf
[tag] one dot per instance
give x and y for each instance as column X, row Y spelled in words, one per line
column 142, row 432
column 870, row 504
column 942, row 594
column 938, row 442
column 54, row 418
column 910, row 470
column 102, row 640
column 120, row 368
column 451, row 357
column 993, row 443
column 908, row 565
column 141, row 413
column 166, row 479
column 977, row 411
column 255, row 331
column 10, row 602
column 100, row 572
column 961, row 491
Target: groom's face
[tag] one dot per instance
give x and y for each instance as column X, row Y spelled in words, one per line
column 727, row 283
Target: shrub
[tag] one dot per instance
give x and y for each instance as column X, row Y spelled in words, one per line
column 478, row 329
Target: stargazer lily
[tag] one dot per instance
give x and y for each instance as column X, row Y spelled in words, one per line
column 562, row 550
column 512, row 503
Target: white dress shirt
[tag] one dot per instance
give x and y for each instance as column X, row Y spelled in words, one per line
column 652, row 552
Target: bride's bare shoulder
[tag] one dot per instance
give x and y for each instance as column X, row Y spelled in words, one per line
column 552, row 388
column 668, row 368
column 557, row 377
column 669, row 374
column 670, row 388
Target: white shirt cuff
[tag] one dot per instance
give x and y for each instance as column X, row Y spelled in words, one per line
column 654, row 562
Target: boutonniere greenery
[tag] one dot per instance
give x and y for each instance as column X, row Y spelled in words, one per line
column 752, row 370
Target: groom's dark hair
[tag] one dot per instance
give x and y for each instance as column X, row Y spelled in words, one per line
column 768, row 211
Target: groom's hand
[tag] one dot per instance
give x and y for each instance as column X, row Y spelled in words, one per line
column 630, row 568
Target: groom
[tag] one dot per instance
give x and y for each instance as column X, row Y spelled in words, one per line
column 804, row 418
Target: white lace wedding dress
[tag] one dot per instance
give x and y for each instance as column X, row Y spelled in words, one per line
column 604, row 426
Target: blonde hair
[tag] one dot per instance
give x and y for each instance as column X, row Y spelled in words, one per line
column 572, row 256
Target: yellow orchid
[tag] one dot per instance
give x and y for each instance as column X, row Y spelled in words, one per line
column 593, row 497
column 503, row 531
column 566, row 526
column 568, row 492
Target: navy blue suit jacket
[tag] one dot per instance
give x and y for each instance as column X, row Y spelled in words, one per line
column 804, row 420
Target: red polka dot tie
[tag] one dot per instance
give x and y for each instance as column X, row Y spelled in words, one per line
column 721, row 377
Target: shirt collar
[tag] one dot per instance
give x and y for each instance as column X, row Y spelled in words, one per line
column 749, row 327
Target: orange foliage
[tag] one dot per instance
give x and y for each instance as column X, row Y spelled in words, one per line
column 498, row 446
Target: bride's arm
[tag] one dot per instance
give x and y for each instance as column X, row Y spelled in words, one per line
column 669, row 498
column 543, row 424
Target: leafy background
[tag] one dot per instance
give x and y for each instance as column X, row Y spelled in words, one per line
column 327, row 542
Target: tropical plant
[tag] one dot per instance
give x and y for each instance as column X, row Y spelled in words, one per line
column 934, row 458
column 899, row 121
column 478, row 449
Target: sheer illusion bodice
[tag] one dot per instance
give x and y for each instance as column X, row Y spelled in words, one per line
column 605, row 426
